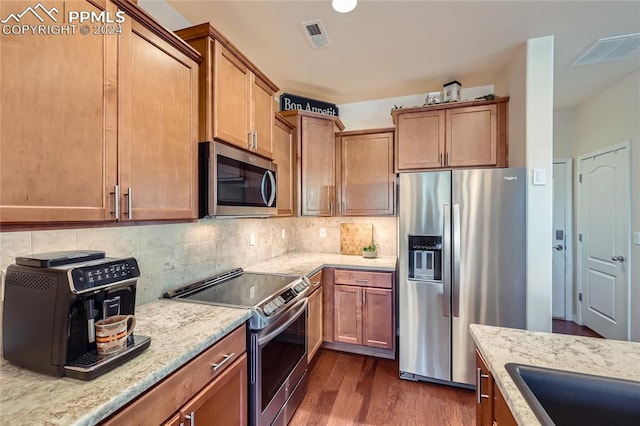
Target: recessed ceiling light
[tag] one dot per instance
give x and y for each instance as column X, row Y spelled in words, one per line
column 344, row 6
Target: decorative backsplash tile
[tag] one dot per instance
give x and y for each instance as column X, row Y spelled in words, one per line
column 172, row 255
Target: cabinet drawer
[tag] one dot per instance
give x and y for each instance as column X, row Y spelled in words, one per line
column 363, row 278
column 163, row 400
column 316, row 279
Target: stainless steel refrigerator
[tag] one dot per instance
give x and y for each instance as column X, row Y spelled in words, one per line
column 461, row 242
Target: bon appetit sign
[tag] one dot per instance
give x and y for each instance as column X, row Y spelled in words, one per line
column 290, row 102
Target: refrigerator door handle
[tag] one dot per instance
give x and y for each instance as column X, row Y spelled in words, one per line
column 446, row 260
column 455, row 303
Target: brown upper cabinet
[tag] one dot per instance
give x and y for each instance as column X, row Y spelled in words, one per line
column 284, row 157
column 464, row 134
column 366, row 179
column 111, row 111
column 316, row 155
column 236, row 99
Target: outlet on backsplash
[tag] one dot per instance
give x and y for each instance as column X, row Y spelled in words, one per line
column 284, row 235
column 252, row 239
column 323, row 232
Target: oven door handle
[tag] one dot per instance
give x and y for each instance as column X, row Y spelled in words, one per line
column 300, row 308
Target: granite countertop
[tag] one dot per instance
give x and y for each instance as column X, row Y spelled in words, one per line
column 302, row 263
column 601, row 357
column 179, row 331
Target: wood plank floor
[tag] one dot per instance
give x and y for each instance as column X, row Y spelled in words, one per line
column 347, row 389
column 570, row 327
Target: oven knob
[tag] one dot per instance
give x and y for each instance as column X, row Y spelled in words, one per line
column 280, row 300
column 266, row 309
column 277, row 302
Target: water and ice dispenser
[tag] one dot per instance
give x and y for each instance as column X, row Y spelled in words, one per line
column 425, row 257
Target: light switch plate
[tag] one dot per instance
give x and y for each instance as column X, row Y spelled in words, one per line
column 539, row 177
column 636, row 238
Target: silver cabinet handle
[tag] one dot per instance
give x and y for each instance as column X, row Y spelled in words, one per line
column 559, row 247
column 441, row 159
column 255, row 139
column 619, row 258
column 446, row 159
column 330, row 208
column 362, row 281
column 116, row 204
column 479, row 376
column 364, row 296
column 129, row 196
column 250, row 139
column 191, row 417
column 226, row 359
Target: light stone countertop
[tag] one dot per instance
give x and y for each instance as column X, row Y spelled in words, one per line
column 179, row 331
column 600, row 357
column 302, row 263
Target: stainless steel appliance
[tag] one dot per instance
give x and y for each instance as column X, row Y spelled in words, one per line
column 234, row 182
column 52, row 301
column 471, row 222
column 277, row 336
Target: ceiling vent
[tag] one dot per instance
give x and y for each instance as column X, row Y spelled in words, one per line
column 316, row 34
column 609, row 49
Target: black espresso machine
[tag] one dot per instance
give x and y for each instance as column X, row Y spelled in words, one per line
column 52, row 301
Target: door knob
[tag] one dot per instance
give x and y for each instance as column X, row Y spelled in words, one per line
column 559, row 247
column 619, row 258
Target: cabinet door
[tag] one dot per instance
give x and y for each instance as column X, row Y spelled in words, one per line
column 315, row 323
column 347, row 314
column 158, row 129
column 283, row 156
column 501, row 412
column 318, row 166
column 231, row 98
column 472, row 136
column 484, row 393
column 367, row 177
column 222, row 402
column 377, row 318
column 58, row 109
column 262, row 117
column 420, row 140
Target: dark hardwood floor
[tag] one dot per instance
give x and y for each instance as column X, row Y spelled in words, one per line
column 570, row 327
column 347, row 389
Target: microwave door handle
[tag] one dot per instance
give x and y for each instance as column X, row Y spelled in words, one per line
column 272, row 179
column 263, row 188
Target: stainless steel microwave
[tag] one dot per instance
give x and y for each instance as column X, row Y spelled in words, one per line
column 234, row 182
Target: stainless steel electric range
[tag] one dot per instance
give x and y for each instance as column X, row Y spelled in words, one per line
column 277, row 335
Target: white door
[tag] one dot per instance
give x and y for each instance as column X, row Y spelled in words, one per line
column 561, row 295
column 604, row 225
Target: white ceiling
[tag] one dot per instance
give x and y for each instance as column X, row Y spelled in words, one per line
column 397, row 47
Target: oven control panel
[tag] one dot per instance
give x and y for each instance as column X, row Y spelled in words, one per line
column 285, row 297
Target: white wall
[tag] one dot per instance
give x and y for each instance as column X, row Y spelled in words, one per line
column 539, row 153
column 564, row 133
column 513, row 83
column 608, row 118
column 376, row 114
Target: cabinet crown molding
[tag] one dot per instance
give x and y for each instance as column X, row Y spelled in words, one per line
column 207, row 30
column 449, row 105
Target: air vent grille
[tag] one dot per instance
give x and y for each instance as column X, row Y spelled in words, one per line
column 610, row 49
column 316, row 34
column 31, row 281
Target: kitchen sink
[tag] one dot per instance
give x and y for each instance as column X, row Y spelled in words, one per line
column 567, row 398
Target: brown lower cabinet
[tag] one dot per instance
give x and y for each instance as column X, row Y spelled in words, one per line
column 491, row 408
column 362, row 308
column 209, row 390
column 314, row 336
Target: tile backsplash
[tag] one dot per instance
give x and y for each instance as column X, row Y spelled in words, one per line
column 175, row 254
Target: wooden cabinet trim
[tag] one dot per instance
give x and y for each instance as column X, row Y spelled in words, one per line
column 206, row 30
column 447, row 106
column 165, row 398
column 140, row 15
column 366, row 132
column 363, row 278
column 302, row 113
